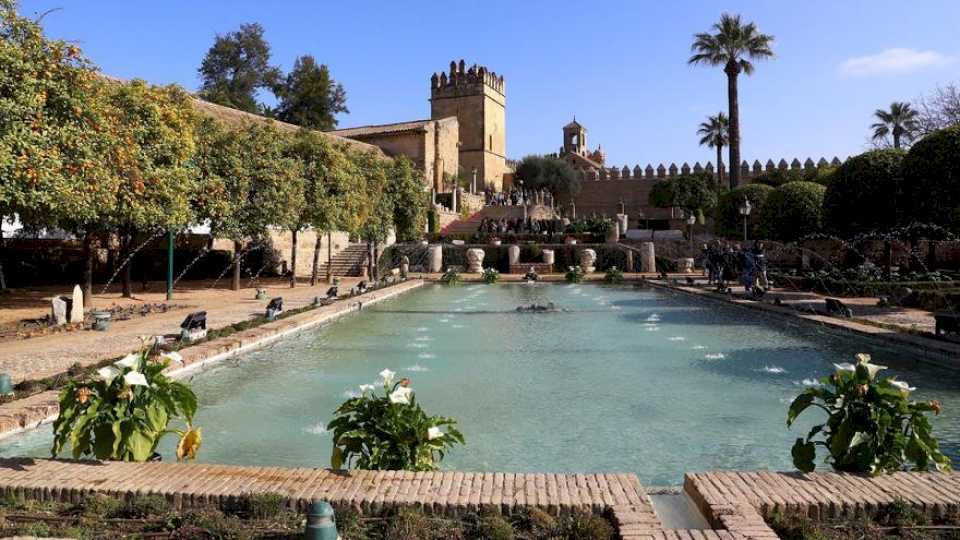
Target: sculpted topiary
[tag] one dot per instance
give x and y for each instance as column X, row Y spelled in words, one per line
column 863, row 194
column 931, row 174
column 792, row 211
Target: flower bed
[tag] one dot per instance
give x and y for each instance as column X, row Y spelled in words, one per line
column 898, row 520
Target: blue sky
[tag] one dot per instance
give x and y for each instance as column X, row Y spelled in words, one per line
column 619, row 66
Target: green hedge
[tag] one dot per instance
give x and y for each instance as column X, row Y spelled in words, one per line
column 792, row 211
column 939, row 299
column 857, row 288
column 863, row 195
column 931, row 172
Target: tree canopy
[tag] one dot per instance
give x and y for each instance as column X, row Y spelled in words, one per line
column 236, row 66
column 692, row 193
column 549, row 173
column 309, row 97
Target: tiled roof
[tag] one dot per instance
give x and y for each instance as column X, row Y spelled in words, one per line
column 382, row 129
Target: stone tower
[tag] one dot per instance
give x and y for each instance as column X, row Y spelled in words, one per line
column 574, row 138
column 477, row 97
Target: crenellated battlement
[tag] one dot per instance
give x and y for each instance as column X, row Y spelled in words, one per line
column 747, row 171
column 460, row 79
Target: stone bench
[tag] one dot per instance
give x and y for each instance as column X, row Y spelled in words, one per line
column 539, row 268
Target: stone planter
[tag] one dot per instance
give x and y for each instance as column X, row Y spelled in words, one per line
column 685, row 265
column 475, row 260
column 101, row 320
column 588, row 260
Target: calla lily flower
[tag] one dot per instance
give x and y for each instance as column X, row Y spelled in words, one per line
column 365, row 387
column 189, row 444
column 135, row 378
column 903, row 386
column 108, row 373
column 434, row 433
column 173, row 356
column 401, row 395
column 128, row 361
column 864, row 360
column 387, row 376
column 846, row 366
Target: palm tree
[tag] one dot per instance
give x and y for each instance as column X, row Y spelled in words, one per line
column 714, row 133
column 901, row 121
column 732, row 46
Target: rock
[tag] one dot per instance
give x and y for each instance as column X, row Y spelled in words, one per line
column 435, row 259
column 59, row 309
column 588, row 261
column 648, row 260
column 76, row 309
column 513, row 255
column 475, row 260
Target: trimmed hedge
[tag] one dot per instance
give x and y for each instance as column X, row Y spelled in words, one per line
column 858, row 288
column 863, row 195
column 939, row 299
column 931, row 171
column 729, row 222
column 792, row 211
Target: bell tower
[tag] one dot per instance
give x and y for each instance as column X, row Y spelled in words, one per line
column 476, row 96
column 574, row 138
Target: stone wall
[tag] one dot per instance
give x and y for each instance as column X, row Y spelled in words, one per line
column 306, row 241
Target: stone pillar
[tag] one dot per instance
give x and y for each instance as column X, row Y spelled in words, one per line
column 548, row 256
column 623, row 221
column 629, row 265
column 76, row 308
column 513, row 255
column 475, row 260
column 456, row 189
column 435, row 258
column 648, row 260
column 613, row 235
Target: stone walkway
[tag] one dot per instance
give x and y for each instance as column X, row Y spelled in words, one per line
column 40, row 357
column 373, row 492
column 739, row 501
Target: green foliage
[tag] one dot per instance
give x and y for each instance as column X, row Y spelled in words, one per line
column 495, row 527
column 692, row 193
column 102, row 506
column 144, row 506
column 261, row 505
column 235, row 67
column 931, row 179
column 778, row 177
column 433, row 221
column 614, row 276
column 586, row 526
column 792, row 211
column 729, row 222
column 451, row 277
column 864, row 194
column 389, row 431
column 490, row 275
column 123, row 414
column 552, row 174
column 872, row 425
column 574, row 274
column 309, row 97
column 409, row 199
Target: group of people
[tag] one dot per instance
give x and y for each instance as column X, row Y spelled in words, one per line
column 521, row 226
column 724, row 262
column 505, row 198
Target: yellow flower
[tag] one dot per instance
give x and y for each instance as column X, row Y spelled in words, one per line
column 83, row 395
column 189, row 444
column 936, row 406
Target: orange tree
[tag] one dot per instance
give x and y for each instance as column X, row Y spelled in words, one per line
column 53, row 133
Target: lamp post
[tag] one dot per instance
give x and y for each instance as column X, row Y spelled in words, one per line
column 691, row 220
column 745, row 212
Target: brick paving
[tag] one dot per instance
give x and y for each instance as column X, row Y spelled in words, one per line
column 23, row 414
column 739, row 501
column 372, row 492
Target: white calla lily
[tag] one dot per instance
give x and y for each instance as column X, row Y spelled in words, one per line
column 434, row 433
column 846, row 366
column 903, row 386
column 401, row 395
column 108, row 373
column 128, row 361
column 135, row 378
column 366, row 387
column 173, row 356
column 387, row 376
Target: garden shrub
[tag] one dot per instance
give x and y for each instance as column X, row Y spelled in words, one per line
column 451, row 277
column 490, row 275
column 102, row 506
column 938, row 299
column 863, row 195
column 574, row 274
column 586, row 526
column 931, row 179
column 614, row 276
column 262, row 505
column 143, row 506
column 729, row 222
column 495, row 527
column 664, row 264
column 872, row 424
column 792, row 211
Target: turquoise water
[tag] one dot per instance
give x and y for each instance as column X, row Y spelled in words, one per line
column 628, row 380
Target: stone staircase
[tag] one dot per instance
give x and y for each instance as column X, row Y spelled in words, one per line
column 348, row 262
column 471, row 224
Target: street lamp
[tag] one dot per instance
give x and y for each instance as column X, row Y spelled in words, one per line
column 745, row 212
column 690, row 221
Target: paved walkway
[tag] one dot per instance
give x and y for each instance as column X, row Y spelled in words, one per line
column 198, row 484
column 738, row 501
column 44, row 356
